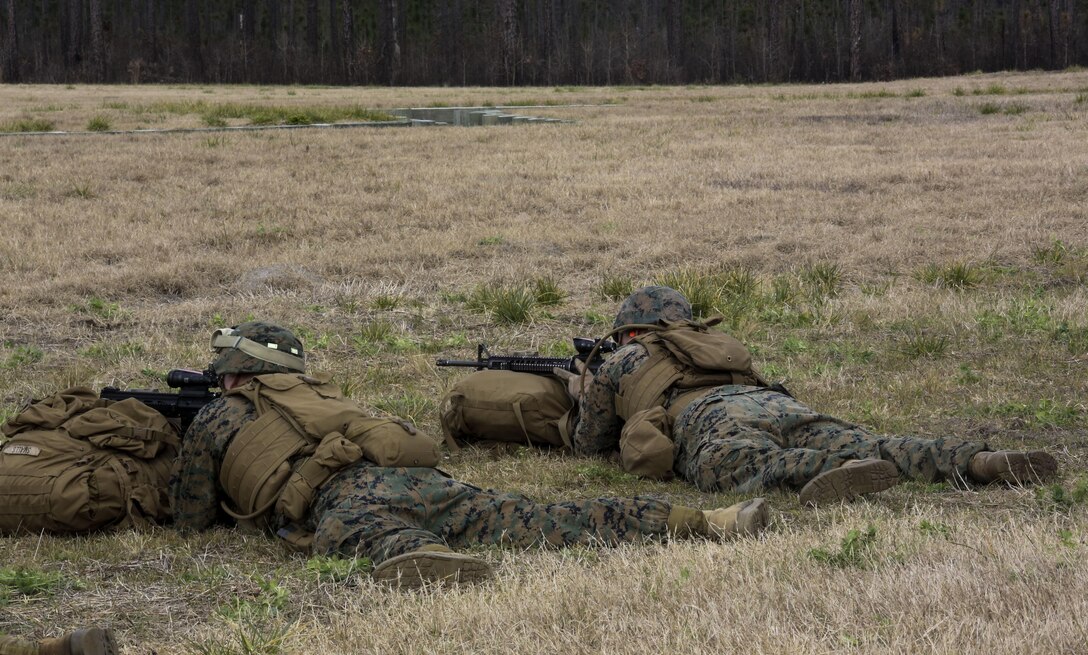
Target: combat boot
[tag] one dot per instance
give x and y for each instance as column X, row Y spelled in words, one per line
column 431, row 564
column 1012, row 466
column 847, row 482
column 747, row 518
column 743, row 519
column 91, row 641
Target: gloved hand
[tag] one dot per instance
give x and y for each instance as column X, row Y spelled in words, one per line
column 573, row 380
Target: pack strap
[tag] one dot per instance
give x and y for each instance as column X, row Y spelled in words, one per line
column 147, row 434
column 447, row 415
column 521, row 421
column 564, row 426
column 124, row 480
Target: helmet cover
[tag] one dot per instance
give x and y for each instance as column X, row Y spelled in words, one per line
column 648, row 305
column 257, row 347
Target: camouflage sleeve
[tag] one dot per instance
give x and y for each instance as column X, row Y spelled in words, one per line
column 598, row 427
column 194, row 486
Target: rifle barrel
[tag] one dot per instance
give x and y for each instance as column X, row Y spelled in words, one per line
column 462, row 362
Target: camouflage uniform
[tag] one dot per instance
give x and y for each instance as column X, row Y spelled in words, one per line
column 745, row 438
column 376, row 512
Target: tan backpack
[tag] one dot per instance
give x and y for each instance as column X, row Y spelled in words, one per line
column 76, row 463
column 306, row 418
column 506, row 406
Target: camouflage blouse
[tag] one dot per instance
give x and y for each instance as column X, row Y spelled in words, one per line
column 598, row 428
column 195, row 491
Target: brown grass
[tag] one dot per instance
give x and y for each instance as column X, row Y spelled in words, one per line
column 118, row 255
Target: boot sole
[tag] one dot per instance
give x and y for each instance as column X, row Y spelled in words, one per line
column 415, row 570
column 754, row 518
column 1025, row 468
column 846, row 483
column 93, row 641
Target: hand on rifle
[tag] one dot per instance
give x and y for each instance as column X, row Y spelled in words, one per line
column 573, row 380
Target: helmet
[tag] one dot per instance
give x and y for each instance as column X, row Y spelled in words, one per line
column 650, row 304
column 257, row 347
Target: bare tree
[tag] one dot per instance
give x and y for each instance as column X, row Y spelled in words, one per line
column 674, row 31
column 336, row 55
column 192, row 30
column 776, row 29
column 389, row 13
column 9, row 52
column 855, row 39
column 347, row 26
column 313, row 35
column 98, row 55
column 508, row 28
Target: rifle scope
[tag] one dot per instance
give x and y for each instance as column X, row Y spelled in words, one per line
column 183, row 377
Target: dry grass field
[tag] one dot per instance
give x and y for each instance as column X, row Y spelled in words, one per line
column 910, row 255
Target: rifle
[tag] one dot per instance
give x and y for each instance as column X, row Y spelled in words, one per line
column 532, row 364
column 194, row 391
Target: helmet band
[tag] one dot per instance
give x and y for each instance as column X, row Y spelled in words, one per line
column 229, row 338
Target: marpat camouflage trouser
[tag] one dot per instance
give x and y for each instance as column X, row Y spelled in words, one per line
column 379, row 513
column 747, row 439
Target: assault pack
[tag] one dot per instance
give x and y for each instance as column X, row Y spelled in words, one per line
column 507, row 406
column 76, row 463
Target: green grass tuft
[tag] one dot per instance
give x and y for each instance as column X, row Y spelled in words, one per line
column 336, row 568
column 98, row 124
column 822, row 280
column 957, row 275
column 855, row 550
column 923, row 344
column 23, row 356
column 548, row 292
column 615, row 287
column 28, row 125
column 513, row 304
column 31, row 583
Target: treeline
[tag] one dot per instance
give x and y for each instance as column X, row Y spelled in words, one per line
column 500, row 42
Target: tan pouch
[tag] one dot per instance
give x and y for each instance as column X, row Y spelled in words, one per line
column 706, row 349
column 332, row 454
column 646, row 447
column 389, row 443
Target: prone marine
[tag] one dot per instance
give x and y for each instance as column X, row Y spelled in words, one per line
column 724, row 428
